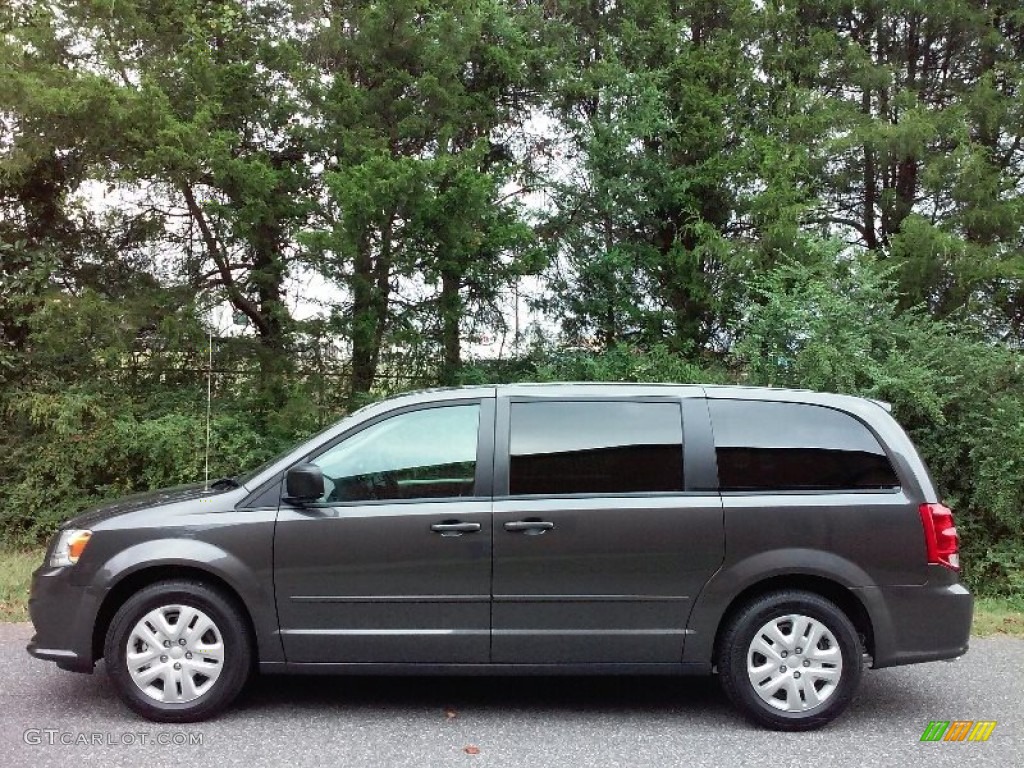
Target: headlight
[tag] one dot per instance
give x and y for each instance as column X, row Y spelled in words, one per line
column 70, row 547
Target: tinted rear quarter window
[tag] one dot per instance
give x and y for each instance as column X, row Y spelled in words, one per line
column 595, row 447
column 770, row 446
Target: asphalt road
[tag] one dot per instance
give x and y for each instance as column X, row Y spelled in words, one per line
column 339, row 721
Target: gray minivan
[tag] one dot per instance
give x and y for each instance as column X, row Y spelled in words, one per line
column 781, row 539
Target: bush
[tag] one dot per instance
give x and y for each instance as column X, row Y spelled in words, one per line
column 80, row 429
column 836, row 326
column 90, row 416
column 78, row 449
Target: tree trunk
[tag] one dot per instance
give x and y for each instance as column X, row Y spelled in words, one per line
column 870, row 180
column 371, row 290
column 268, row 277
column 363, row 322
column 451, row 314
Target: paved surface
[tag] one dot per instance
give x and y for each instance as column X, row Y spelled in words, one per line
column 338, row 721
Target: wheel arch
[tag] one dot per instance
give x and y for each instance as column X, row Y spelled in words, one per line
column 824, row 573
column 844, row 598
column 136, row 580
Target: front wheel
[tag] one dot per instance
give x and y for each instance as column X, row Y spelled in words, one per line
column 790, row 660
column 178, row 651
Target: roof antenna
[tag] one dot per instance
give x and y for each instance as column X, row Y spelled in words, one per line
column 209, row 399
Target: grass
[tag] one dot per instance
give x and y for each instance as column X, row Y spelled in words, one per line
column 999, row 616
column 16, row 568
column 992, row 615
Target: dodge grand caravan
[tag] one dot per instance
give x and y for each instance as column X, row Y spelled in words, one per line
column 781, row 539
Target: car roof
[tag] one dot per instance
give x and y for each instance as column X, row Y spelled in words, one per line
column 608, row 388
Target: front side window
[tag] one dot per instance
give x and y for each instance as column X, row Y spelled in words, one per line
column 595, row 447
column 427, row 454
column 768, row 446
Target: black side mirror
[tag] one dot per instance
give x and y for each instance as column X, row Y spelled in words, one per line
column 303, row 483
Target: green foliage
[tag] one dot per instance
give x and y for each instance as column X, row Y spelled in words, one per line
column 818, row 194
column 661, row 132
column 85, row 447
column 113, row 401
column 621, row 363
column 16, row 569
column 836, row 326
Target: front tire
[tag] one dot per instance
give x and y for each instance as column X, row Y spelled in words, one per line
column 790, row 660
column 178, row 651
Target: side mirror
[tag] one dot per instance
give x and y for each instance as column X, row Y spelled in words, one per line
column 304, row 483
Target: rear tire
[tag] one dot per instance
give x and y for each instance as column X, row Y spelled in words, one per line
column 790, row 660
column 178, row 651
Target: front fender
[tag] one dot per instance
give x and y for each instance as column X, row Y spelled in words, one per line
column 254, row 587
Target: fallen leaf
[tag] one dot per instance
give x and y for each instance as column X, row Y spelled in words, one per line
column 471, row 750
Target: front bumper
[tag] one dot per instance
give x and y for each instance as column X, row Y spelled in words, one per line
column 913, row 624
column 63, row 614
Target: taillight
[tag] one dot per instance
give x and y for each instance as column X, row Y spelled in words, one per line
column 940, row 536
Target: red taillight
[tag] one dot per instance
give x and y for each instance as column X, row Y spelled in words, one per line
column 940, row 536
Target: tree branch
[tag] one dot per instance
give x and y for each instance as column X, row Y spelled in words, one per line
column 241, row 302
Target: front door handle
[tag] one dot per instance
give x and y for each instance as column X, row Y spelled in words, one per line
column 529, row 527
column 455, row 528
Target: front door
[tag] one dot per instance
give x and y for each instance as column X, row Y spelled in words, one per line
column 393, row 564
column 600, row 542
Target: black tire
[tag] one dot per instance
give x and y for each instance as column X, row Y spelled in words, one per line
column 741, row 631
column 234, row 633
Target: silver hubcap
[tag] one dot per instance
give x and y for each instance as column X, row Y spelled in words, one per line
column 794, row 663
column 175, row 653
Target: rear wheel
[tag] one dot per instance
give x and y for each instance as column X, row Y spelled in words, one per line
column 790, row 660
column 178, row 651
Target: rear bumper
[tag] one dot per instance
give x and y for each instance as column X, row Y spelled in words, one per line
column 63, row 614
column 919, row 623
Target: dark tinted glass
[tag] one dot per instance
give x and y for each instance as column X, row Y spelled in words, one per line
column 595, row 447
column 765, row 446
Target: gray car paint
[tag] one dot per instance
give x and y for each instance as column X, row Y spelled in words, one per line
column 613, row 581
column 599, row 592
column 176, row 528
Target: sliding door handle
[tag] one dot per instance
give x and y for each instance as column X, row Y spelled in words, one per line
column 455, row 528
column 529, row 526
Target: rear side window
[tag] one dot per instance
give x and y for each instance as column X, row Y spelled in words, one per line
column 765, row 446
column 595, row 447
